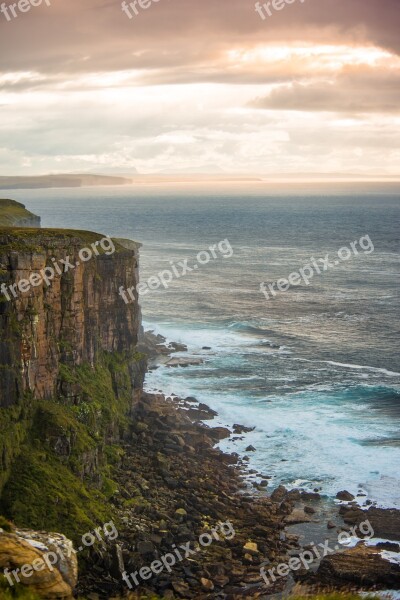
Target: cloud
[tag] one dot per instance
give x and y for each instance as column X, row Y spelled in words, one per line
column 84, row 87
column 71, row 37
column 354, row 91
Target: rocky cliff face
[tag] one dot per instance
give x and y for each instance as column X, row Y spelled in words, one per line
column 68, row 320
column 70, row 374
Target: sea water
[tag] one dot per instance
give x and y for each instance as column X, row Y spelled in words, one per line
column 315, row 368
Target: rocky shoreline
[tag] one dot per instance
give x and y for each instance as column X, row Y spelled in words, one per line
column 174, row 487
column 182, row 466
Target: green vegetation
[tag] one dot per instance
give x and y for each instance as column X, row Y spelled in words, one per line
column 14, row 424
column 19, row 592
column 12, row 213
column 67, row 445
column 40, row 241
column 6, row 525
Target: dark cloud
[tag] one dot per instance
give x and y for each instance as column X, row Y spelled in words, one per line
column 74, row 36
column 355, row 91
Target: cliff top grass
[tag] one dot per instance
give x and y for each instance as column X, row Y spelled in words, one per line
column 32, row 239
column 12, row 212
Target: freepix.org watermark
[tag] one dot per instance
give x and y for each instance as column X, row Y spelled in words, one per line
column 167, row 561
column 316, row 552
column 177, row 270
column 131, row 8
column 59, row 267
column 276, row 5
column 108, row 532
column 11, row 11
column 317, row 266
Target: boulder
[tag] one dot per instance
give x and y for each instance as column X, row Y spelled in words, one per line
column 298, row 515
column 345, row 495
column 30, row 555
column 279, row 494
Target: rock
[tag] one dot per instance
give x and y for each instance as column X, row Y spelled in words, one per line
column 362, row 566
column 207, row 584
column 206, row 348
column 239, row 429
column 176, row 347
column 180, row 587
column 184, row 362
column 294, row 495
column 219, row 433
column 345, row 495
column 310, row 495
column 298, row 515
column 251, row 548
column 117, row 567
column 390, row 546
column 385, row 522
column 66, row 563
column 180, row 514
column 145, row 547
column 331, row 525
column 309, row 510
column 30, row 548
column 250, row 449
column 279, row 494
column 264, row 483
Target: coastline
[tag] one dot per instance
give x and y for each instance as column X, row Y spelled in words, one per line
column 152, row 463
column 309, row 518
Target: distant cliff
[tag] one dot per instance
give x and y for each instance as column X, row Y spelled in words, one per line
column 14, row 214
column 66, row 180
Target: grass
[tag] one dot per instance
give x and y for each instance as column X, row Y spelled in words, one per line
column 11, row 213
column 64, row 446
column 37, row 240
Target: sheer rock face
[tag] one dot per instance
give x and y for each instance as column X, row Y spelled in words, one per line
column 74, row 318
column 44, row 562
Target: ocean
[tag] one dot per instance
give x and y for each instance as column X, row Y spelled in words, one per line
column 314, row 368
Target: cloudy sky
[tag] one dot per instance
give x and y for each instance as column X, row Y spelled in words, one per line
column 201, row 85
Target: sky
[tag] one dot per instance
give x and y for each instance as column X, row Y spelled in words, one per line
column 207, row 86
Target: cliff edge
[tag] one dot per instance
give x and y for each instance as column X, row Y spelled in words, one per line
column 14, row 214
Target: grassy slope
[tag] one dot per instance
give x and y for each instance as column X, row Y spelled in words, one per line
column 11, row 213
column 49, row 490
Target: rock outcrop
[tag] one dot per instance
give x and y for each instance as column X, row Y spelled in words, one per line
column 385, row 522
column 360, row 566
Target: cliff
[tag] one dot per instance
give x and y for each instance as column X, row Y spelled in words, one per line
column 60, row 181
column 72, row 320
column 70, row 373
column 14, row 214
